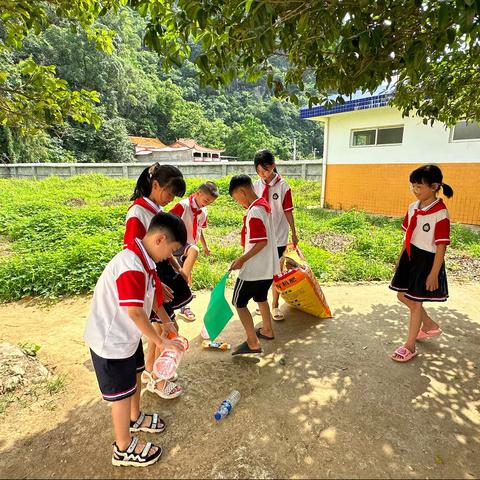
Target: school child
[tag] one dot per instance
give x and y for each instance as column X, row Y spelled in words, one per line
column 258, row 264
column 276, row 191
column 420, row 274
column 193, row 211
column 156, row 187
column 124, row 296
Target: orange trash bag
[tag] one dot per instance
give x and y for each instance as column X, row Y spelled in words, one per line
column 299, row 287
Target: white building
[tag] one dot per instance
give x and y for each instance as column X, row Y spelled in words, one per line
column 370, row 150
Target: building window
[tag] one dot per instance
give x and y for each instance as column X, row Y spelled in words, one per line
column 466, row 131
column 364, row 137
column 377, row 136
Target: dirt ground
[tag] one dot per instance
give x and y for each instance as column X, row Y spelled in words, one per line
column 324, row 401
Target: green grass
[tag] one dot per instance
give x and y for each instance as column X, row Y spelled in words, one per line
column 57, row 235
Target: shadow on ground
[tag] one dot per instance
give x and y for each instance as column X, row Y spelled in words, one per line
column 324, row 401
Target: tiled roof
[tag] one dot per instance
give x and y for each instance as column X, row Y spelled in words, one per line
column 146, row 142
column 192, row 144
column 348, row 106
column 357, row 101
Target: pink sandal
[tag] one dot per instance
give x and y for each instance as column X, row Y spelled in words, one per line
column 403, row 354
column 430, row 334
column 186, row 315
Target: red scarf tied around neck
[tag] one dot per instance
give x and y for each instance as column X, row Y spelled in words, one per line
column 266, row 189
column 411, row 227
column 151, row 271
column 196, row 212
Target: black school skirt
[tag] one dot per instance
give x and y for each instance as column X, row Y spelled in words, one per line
column 182, row 295
column 411, row 277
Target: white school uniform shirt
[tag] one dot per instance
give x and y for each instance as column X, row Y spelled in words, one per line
column 139, row 217
column 186, row 210
column 280, row 201
column 432, row 225
column 258, row 227
column 125, row 282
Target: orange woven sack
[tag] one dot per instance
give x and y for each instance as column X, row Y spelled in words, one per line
column 299, row 287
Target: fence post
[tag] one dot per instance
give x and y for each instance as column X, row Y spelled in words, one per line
column 125, row 171
column 34, row 171
column 304, row 171
column 73, row 170
column 224, row 170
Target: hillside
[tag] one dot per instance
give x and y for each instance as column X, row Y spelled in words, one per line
column 137, row 97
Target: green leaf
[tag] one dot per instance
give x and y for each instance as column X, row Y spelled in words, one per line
column 364, row 43
column 248, row 5
column 443, row 16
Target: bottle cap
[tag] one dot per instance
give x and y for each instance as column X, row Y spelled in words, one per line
column 217, row 416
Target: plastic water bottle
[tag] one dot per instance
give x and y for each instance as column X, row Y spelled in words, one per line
column 227, row 405
column 167, row 363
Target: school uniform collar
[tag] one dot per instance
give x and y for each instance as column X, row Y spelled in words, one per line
column 138, row 249
column 274, row 180
column 435, row 206
column 260, row 202
column 192, row 201
column 146, row 259
column 147, row 204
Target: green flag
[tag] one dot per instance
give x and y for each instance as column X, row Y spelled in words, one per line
column 218, row 310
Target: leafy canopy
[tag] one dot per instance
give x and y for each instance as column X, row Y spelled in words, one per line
column 341, row 46
column 433, row 47
column 31, row 95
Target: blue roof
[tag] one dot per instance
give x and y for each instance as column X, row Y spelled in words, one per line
column 357, row 101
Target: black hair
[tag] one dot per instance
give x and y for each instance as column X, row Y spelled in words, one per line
column 429, row 174
column 210, row 188
column 167, row 176
column 239, row 181
column 171, row 225
column 265, row 158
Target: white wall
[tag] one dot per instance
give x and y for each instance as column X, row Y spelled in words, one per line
column 421, row 143
column 299, row 169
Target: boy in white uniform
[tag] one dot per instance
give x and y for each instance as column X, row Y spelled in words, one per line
column 257, row 266
column 276, row 191
column 125, row 294
column 193, row 212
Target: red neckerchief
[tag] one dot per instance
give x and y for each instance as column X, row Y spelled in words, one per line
column 266, row 190
column 243, row 233
column 135, row 248
column 412, row 224
column 196, row 212
column 146, row 205
column 259, row 202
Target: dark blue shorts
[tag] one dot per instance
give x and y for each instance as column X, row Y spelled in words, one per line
column 117, row 377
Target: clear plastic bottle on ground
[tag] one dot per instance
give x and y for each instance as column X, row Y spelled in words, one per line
column 227, row 405
column 167, row 363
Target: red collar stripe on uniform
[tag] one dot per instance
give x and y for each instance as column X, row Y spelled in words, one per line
column 147, row 204
column 139, row 250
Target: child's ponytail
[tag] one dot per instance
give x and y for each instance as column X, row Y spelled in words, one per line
column 447, row 190
column 167, row 176
column 143, row 186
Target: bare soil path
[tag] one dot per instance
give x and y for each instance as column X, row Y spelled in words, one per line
column 324, row 401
